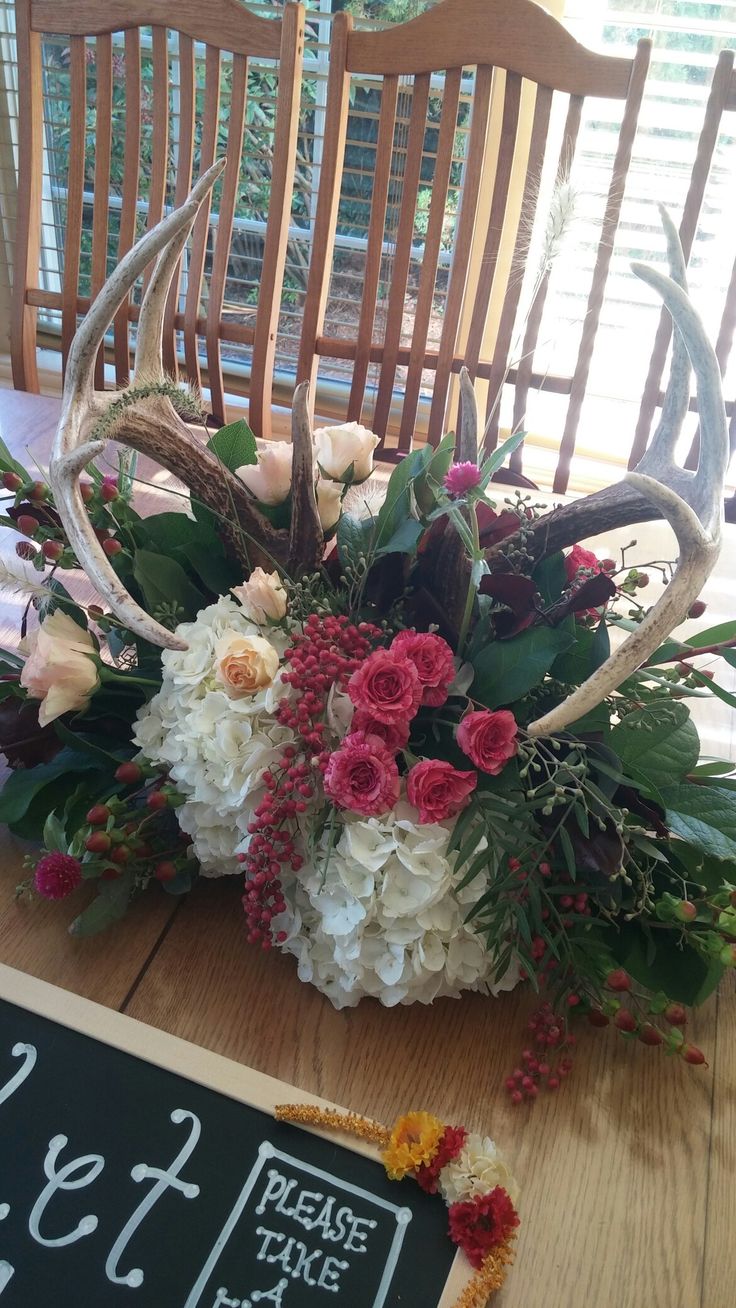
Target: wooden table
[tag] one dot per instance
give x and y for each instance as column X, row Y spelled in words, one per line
column 629, row 1198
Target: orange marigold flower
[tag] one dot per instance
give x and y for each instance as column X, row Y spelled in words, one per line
column 413, row 1142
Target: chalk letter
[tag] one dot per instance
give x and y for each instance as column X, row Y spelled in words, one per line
column 6, row 1274
column 331, row 1268
column 10, row 1087
column 60, row 1181
column 274, row 1190
column 164, row 1181
column 274, row 1296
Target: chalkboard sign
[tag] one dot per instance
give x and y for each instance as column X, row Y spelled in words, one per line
column 137, row 1170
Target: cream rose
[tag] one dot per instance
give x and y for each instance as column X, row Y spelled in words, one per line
column 245, row 664
column 329, row 502
column 262, row 596
column 60, row 670
column 337, row 448
column 270, row 478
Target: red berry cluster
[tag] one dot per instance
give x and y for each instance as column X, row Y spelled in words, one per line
column 551, row 1040
column 324, row 655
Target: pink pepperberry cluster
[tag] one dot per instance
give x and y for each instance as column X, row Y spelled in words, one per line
column 324, row 655
column 543, row 1066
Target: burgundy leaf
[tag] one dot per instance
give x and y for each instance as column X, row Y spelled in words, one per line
column 494, row 527
column 517, row 593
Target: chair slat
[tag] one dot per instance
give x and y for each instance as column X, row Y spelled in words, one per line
column 277, row 226
column 328, row 200
column 374, row 252
column 230, row 191
column 609, row 228
column 129, row 207
column 473, row 173
column 525, row 368
column 103, row 153
column 75, row 188
column 503, row 344
column 202, row 224
column 160, row 134
column 489, row 261
column 431, row 254
column 403, row 251
column 184, row 165
column 28, row 216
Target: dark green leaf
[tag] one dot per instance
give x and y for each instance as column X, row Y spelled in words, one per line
column 662, row 964
column 507, row 669
column 22, row 787
column 657, row 745
column 568, row 852
column 437, row 469
column 550, row 578
column 403, row 541
column 234, row 445
column 354, row 538
column 711, row 636
column 163, row 582
column 499, row 456
column 397, row 505
column 54, row 835
column 9, row 464
column 714, row 688
column 705, row 816
column 110, row 905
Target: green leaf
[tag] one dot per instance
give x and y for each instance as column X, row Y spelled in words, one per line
column 662, row 964
column 163, row 581
column 94, row 746
column 711, row 636
column 427, row 484
column 716, row 767
column 110, row 905
column 568, row 853
column 234, row 445
column 396, row 507
column 54, row 835
column 657, row 745
column 212, row 566
column 354, row 538
column 22, row 787
column 507, row 669
column 165, row 532
column 9, row 464
column 182, row 882
column 550, row 578
column 403, row 541
column 704, row 816
column 499, row 456
column 714, row 688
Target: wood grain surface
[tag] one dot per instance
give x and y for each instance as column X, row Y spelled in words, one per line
column 628, row 1197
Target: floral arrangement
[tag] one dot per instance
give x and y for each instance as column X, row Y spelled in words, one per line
column 357, row 742
column 468, row 1171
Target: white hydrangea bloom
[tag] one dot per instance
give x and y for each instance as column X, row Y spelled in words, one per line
column 478, row 1168
column 379, row 915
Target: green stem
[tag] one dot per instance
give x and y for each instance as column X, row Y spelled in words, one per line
column 470, row 597
column 125, row 678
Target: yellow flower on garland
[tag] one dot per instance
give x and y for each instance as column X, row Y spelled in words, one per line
column 413, row 1141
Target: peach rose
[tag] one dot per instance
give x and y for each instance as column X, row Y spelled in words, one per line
column 270, row 478
column 262, row 596
column 245, row 664
column 60, row 670
column 337, row 448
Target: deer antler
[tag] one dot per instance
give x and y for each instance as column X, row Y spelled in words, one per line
column 150, row 424
column 691, row 501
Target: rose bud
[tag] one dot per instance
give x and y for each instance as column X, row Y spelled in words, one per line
column 338, row 449
column 52, row 550
column 27, row 524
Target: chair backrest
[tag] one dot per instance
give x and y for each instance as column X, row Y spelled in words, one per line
column 522, row 57
column 721, row 101
column 156, row 89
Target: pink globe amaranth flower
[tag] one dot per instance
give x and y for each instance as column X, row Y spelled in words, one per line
column 57, row 875
column 362, row 776
column 394, row 735
column 438, row 790
column 433, row 659
column 386, row 686
column 461, row 478
column 580, row 558
column 489, row 739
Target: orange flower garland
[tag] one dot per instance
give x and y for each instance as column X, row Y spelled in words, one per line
column 483, row 1218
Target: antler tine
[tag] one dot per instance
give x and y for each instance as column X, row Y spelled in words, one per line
column 466, row 450
column 148, row 352
column 677, row 396
column 696, row 516
column 306, row 539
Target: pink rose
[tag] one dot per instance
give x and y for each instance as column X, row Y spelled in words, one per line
column 433, row 659
column 580, row 558
column 488, row 739
column 394, row 735
column 438, row 790
column 362, row 776
column 387, row 686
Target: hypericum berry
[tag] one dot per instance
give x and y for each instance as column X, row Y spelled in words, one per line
column 98, row 815
column 120, row 854
column 686, row 911
column 609, row 565
column 86, row 490
column 98, row 842
column 697, row 609
column 38, row 492
column 597, row 1018
column 642, row 580
column 57, row 875
column 111, row 873
column 27, row 525
column 129, row 773
column 165, row 871
column 675, row 1014
column 157, row 799
column 649, row 1035
column 618, row 980
column 109, row 490
column 11, row 481
column 625, row 1020
column 693, row 1055
column 111, row 546
column 52, row 550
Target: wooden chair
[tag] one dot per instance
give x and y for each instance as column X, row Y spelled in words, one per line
column 511, row 44
column 207, row 122
column 721, row 100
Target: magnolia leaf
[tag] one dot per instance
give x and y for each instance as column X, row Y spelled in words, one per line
column 704, row 816
column 658, row 745
column 164, row 582
column 234, row 445
column 506, row 669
